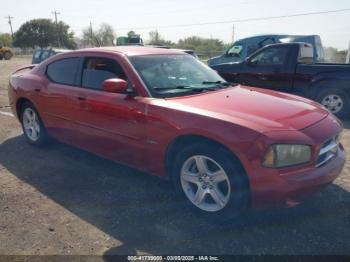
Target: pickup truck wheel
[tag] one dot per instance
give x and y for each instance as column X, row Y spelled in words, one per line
column 210, row 182
column 336, row 101
column 32, row 125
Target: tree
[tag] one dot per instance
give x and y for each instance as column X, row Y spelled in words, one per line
column 200, row 44
column 333, row 55
column 156, row 39
column 5, row 39
column 43, row 33
column 104, row 36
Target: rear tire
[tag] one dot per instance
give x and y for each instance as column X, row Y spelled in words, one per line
column 32, row 125
column 336, row 101
column 211, row 181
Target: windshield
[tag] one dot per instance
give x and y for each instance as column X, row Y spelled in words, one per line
column 176, row 75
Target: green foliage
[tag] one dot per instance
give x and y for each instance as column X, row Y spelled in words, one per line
column 43, row 33
column 200, row 44
column 157, row 39
column 333, row 55
column 5, row 40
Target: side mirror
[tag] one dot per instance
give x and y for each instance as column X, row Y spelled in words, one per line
column 115, row 85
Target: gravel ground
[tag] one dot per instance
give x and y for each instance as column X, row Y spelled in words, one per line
column 62, row 200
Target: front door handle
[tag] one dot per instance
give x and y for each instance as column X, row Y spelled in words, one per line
column 81, row 98
column 264, row 78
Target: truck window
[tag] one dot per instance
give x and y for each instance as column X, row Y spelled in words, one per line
column 319, row 50
column 37, row 54
column 267, row 41
column 276, row 55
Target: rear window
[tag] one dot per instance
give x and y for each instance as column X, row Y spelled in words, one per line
column 63, row 71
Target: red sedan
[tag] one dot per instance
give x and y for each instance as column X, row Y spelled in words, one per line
column 226, row 148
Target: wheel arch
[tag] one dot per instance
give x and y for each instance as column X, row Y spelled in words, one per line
column 190, row 139
column 19, row 105
column 330, row 83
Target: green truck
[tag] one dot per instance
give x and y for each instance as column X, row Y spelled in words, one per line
column 129, row 40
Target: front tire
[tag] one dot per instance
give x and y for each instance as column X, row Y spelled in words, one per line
column 211, row 181
column 32, row 125
column 7, row 55
column 336, row 101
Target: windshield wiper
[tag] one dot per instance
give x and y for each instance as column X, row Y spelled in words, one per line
column 215, row 82
column 189, row 88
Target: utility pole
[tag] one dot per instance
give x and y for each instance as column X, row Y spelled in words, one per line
column 10, row 23
column 57, row 29
column 233, row 33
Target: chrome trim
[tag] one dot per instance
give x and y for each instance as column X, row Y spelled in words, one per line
column 328, row 148
column 327, row 151
column 326, row 160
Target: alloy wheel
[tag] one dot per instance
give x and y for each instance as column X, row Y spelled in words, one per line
column 31, row 124
column 333, row 103
column 205, row 183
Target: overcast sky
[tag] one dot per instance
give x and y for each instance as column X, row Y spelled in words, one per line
column 334, row 28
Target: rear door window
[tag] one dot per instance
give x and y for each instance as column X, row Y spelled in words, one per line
column 63, row 71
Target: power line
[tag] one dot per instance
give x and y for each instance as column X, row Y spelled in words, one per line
column 57, row 30
column 10, row 23
column 240, row 20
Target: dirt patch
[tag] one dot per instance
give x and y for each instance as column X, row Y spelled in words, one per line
column 6, row 68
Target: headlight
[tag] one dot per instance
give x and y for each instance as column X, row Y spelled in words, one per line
column 287, row 155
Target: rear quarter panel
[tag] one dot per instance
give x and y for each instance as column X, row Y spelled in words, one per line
column 22, row 85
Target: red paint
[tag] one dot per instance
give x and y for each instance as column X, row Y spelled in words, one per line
column 138, row 130
column 115, row 85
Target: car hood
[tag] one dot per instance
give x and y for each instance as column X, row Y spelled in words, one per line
column 222, row 60
column 259, row 109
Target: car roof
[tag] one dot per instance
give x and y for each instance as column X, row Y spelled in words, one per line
column 273, row 35
column 133, row 50
column 57, row 50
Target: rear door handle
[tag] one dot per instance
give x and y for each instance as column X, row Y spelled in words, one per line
column 81, row 98
column 37, row 89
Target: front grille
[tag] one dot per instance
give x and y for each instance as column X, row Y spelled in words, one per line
column 327, row 151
